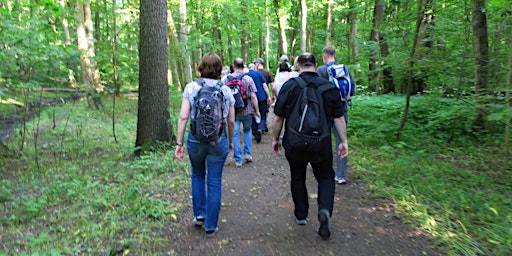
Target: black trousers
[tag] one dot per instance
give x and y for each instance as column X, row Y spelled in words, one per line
column 324, row 174
column 262, row 126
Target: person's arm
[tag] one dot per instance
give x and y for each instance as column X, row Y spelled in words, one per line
column 276, row 132
column 254, row 101
column 341, row 129
column 182, row 123
column 231, row 126
column 267, row 92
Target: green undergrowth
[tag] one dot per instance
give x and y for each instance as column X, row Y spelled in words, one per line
column 446, row 176
column 74, row 190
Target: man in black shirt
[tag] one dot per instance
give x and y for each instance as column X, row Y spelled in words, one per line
column 321, row 160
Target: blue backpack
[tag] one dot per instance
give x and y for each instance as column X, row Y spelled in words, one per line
column 340, row 76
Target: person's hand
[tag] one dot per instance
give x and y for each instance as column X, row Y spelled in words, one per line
column 276, row 145
column 343, row 150
column 269, row 100
column 179, row 152
column 231, row 147
column 258, row 114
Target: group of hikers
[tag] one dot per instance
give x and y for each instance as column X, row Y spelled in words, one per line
column 306, row 102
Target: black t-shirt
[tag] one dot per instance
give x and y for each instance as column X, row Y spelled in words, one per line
column 288, row 97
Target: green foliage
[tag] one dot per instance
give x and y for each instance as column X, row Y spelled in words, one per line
column 444, row 174
column 87, row 194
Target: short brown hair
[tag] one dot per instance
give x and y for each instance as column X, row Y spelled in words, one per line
column 211, row 66
column 329, row 51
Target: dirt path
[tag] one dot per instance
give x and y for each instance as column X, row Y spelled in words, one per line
column 257, row 218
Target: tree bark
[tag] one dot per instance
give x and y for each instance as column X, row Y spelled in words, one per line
column 481, row 48
column 153, row 115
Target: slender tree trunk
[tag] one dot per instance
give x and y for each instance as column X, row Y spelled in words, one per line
column 187, row 66
column 267, row 32
column 329, row 28
column 303, row 27
column 507, row 97
column 481, row 48
column 352, row 40
column 423, row 5
column 374, row 77
column 65, row 24
column 174, row 50
column 282, row 44
column 90, row 74
column 115, row 46
column 153, row 115
column 244, row 39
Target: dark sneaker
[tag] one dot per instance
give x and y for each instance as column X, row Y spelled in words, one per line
column 199, row 220
column 211, row 233
column 257, row 136
column 325, row 222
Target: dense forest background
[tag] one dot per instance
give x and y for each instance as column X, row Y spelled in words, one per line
column 433, row 92
column 448, row 48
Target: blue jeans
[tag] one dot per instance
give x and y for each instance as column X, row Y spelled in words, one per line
column 207, row 162
column 341, row 165
column 246, row 121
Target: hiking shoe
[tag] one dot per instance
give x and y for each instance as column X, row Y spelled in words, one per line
column 198, row 220
column 257, row 136
column 211, row 233
column 340, row 180
column 248, row 158
column 238, row 164
column 325, row 222
column 301, row 222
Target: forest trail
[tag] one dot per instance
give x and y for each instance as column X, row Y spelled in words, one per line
column 257, row 217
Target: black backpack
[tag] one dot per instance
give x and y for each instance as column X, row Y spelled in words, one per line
column 238, row 91
column 308, row 127
column 207, row 121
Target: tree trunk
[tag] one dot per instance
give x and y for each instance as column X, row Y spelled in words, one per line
column 423, row 6
column 352, row 40
column 187, row 66
column 153, row 115
column 303, row 27
column 65, row 24
column 174, row 50
column 378, row 13
column 282, row 44
column 90, row 74
column 481, row 48
column 329, row 28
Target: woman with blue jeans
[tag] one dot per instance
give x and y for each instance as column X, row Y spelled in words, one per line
column 206, row 158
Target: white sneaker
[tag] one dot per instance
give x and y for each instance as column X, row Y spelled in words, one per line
column 238, row 164
column 248, row 158
column 340, row 180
